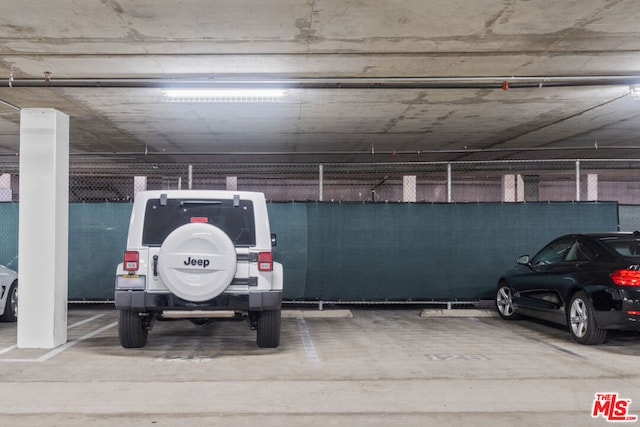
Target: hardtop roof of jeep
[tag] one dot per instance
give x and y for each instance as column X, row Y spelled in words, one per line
column 254, row 202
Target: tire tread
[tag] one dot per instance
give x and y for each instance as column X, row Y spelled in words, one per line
column 268, row 329
column 131, row 330
column 594, row 335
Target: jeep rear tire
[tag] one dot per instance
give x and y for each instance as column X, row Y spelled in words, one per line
column 268, row 329
column 197, row 261
column 131, row 329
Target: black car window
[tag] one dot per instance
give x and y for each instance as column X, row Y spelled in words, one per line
column 579, row 252
column 236, row 220
column 553, row 253
column 626, row 246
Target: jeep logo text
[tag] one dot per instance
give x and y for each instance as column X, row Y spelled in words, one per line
column 199, row 262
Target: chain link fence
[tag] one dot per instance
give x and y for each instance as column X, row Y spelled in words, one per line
column 436, row 182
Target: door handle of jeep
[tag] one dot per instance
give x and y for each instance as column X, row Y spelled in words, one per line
column 155, row 265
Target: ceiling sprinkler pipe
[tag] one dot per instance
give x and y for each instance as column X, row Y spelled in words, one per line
column 459, row 82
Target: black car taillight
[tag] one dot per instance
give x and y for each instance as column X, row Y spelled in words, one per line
column 265, row 261
column 131, row 261
column 626, row 277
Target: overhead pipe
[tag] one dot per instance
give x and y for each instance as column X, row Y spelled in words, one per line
column 478, row 82
column 345, row 152
column 334, row 152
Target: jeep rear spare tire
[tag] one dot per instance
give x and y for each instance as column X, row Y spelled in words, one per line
column 197, row 261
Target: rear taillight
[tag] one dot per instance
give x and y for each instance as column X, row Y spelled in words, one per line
column 265, row 261
column 626, row 277
column 131, row 260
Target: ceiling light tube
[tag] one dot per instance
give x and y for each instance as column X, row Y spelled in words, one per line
column 223, row 95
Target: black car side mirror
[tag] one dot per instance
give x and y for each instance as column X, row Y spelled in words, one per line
column 523, row 260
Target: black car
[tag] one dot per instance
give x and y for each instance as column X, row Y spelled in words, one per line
column 590, row 282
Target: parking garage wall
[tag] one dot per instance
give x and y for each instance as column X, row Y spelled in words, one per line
column 352, row 251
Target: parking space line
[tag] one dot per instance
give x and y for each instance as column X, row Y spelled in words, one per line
column 82, row 322
column 309, row 348
column 65, row 346
column 8, row 349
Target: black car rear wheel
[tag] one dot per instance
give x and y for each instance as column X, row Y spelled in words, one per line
column 582, row 323
column 504, row 303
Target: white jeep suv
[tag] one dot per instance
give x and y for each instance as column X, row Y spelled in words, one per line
column 191, row 253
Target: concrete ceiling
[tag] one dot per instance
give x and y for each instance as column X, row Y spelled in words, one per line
column 410, row 80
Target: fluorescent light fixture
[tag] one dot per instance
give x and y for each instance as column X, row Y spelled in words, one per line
column 634, row 91
column 223, row 95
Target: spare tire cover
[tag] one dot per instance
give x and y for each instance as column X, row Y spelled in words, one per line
column 197, row 262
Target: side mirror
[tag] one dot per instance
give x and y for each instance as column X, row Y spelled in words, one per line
column 523, row 260
column 274, row 241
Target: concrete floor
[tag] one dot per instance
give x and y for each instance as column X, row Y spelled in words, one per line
column 376, row 368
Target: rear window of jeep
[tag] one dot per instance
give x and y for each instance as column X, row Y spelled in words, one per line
column 235, row 218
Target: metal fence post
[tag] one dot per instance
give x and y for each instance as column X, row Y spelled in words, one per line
column 577, row 180
column 320, row 182
column 449, row 195
column 190, row 172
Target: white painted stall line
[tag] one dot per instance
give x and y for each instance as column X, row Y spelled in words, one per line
column 65, row 346
column 309, row 348
column 82, row 322
column 74, row 342
column 8, row 349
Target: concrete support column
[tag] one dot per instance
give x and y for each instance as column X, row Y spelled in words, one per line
column 519, row 188
column 43, row 228
column 409, row 188
column 139, row 184
column 592, row 187
column 512, row 188
column 509, row 188
column 232, row 183
column 6, row 193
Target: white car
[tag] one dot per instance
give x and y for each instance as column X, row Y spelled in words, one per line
column 192, row 253
column 8, row 295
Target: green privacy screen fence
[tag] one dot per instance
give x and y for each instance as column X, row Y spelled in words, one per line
column 376, row 252
column 97, row 239
column 352, row 251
